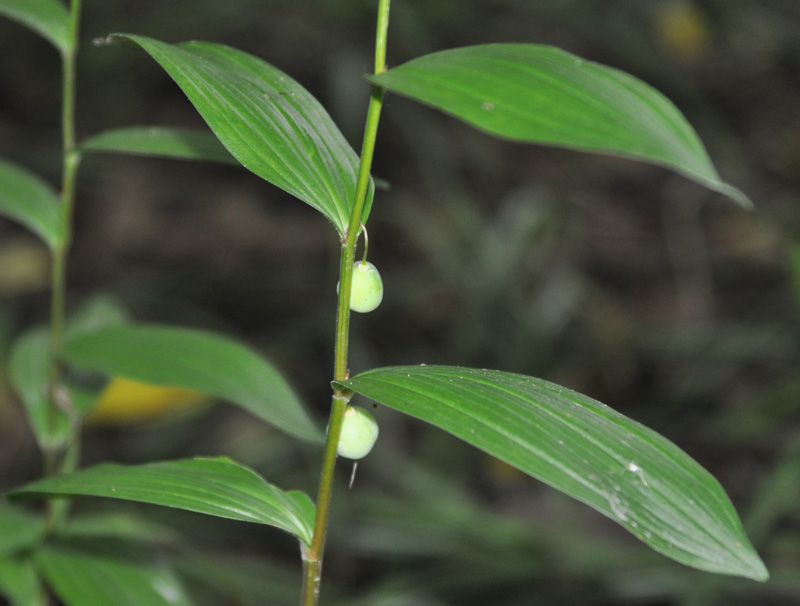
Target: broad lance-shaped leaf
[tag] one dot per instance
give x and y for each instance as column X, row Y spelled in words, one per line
column 584, row 449
column 267, row 121
column 49, row 18
column 29, row 199
column 541, row 94
column 160, row 141
column 198, row 360
column 218, row 487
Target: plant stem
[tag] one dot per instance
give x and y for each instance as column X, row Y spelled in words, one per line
column 56, row 463
column 312, row 554
column 70, row 166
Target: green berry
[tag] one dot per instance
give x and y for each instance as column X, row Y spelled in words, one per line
column 367, row 289
column 359, row 433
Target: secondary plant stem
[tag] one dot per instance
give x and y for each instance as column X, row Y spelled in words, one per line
column 59, row 462
column 69, row 172
column 312, row 554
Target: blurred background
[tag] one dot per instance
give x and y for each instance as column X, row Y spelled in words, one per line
column 621, row 280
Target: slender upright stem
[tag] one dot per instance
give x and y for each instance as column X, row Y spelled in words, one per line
column 312, row 554
column 59, row 462
column 71, row 159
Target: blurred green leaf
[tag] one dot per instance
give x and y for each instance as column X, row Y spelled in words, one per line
column 198, row 360
column 541, row 94
column 19, row 581
column 29, row 371
column 91, row 572
column 584, row 449
column 794, row 271
column 237, row 578
column 267, row 121
column 99, row 311
column 29, row 199
column 162, row 141
column 218, row 487
column 48, row 18
column 85, row 387
column 119, row 525
column 18, row 529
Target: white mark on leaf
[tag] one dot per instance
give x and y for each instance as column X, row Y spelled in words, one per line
column 635, row 469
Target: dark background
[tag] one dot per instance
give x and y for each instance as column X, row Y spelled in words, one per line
column 621, row 280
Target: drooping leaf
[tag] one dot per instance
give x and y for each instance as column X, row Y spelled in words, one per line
column 194, row 359
column 48, row 18
column 267, row 121
column 583, row 448
column 217, row 487
column 89, row 572
column 29, row 199
column 160, row 141
column 29, row 371
column 541, row 94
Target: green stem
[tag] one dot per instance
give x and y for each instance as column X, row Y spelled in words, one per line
column 71, row 160
column 312, row 554
column 56, row 463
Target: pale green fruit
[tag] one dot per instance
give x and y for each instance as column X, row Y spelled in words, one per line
column 359, row 433
column 367, row 290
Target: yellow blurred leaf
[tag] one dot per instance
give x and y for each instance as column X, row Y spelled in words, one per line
column 23, row 267
column 126, row 402
column 683, row 30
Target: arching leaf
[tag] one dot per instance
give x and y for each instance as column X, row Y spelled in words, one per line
column 267, row 121
column 29, row 199
column 194, row 359
column 541, row 94
column 583, row 448
column 48, row 18
column 217, row 487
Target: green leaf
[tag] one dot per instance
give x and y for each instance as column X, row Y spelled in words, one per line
column 19, row 581
column 29, row 199
column 48, row 18
column 217, row 487
column 18, row 529
column 582, row 448
column 198, row 360
column 29, row 371
column 120, row 526
column 97, row 312
column 541, row 94
column 85, row 387
column 267, row 121
column 161, row 141
column 90, row 572
column 239, row 578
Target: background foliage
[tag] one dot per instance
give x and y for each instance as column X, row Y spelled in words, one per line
column 615, row 278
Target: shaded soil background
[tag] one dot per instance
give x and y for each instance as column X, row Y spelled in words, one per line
column 618, row 279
